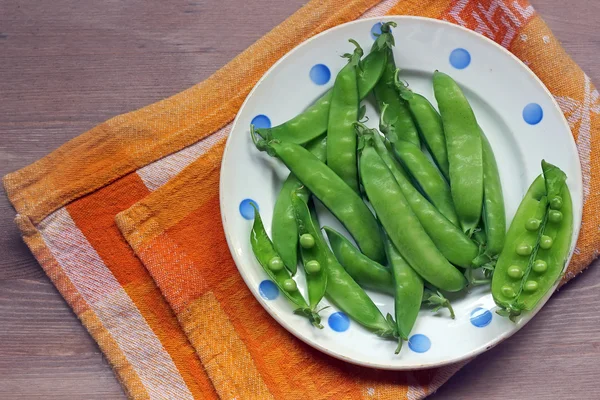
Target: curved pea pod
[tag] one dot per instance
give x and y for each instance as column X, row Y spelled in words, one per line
column 428, row 178
column 345, row 293
column 283, row 226
column 265, row 254
column 366, row 272
column 447, row 237
column 333, row 192
column 522, row 277
column 408, row 292
column 316, row 280
column 494, row 217
column 465, row 154
column 402, row 225
column 397, row 118
column 429, row 124
column 343, row 112
column 313, row 122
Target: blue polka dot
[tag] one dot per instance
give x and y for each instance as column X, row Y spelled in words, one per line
column 261, row 122
column 533, row 113
column 460, row 58
column 419, row 343
column 339, row 322
column 268, row 290
column 320, row 74
column 376, row 30
column 481, row 317
column 246, row 208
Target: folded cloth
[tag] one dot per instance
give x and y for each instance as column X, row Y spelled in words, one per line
column 125, row 221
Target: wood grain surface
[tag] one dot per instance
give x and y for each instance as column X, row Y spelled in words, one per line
column 67, row 65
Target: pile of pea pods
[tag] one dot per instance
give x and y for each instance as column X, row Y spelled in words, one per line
column 433, row 183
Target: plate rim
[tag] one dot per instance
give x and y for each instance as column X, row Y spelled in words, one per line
column 476, row 351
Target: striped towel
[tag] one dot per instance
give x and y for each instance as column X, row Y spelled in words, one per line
column 115, row 218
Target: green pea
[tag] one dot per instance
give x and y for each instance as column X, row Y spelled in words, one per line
column 508, row 291
column 556, row 203
column 546, row 242
column 555, row 216
column 276, row 264
column 307, row 241
column 289, row 285
column 312, row 267
column 532, row 224
column 524, row 250
column 514, row 271
column 540, row 266
column 530, row 286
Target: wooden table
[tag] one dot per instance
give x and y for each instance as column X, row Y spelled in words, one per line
column 67, row 65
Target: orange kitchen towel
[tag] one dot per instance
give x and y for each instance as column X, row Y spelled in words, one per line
column 125, row 221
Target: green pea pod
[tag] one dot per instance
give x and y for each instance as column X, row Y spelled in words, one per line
column 313, row 122
column 333, row 192
column 343, row 112
column 447, row 237
column 429, row 124
column 343, row 291
column 428, row 178
column 537, row 244
column 265, row 254
column 494, row 217
column 397, row 118
column 402, row 225
column 408, row 292
column 316, row 280
column 366, row 272
column 283, row 226
column 465, row 154
column 559, row 228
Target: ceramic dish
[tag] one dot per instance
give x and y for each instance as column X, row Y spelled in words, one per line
column 518, row 114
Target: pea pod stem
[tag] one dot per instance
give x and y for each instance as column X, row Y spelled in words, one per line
column 433, row 297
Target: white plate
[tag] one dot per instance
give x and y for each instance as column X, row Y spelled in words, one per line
column 501, row 90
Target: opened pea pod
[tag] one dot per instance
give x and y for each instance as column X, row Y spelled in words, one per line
column 272, row 264
column 537, row 244
column 341, row 289
column 313, row 257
